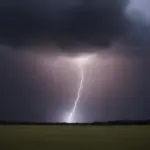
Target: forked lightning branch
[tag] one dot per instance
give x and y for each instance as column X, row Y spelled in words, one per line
column 70, row 117
column 81, row 62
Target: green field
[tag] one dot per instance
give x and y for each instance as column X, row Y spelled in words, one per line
column 24, row 137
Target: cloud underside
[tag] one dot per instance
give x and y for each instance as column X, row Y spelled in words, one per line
column 68, row 23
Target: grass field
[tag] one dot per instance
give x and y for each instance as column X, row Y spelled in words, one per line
column 28, row 137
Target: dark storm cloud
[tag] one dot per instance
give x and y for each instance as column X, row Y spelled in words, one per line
column 139, row 32
column 62, row 22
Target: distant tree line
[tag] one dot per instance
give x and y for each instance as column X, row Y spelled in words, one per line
column 119, row 122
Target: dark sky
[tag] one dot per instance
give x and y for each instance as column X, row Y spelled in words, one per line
column 38, row 84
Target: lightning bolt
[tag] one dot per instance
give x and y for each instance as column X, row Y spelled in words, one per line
column 70, row 118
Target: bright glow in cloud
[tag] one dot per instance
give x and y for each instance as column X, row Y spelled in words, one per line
column 82, row 60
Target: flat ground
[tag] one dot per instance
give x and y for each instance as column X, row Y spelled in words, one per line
column 28, row 137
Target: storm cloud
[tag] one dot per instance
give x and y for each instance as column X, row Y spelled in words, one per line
column 64, row 23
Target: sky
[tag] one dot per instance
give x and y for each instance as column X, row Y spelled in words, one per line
column 40, row 42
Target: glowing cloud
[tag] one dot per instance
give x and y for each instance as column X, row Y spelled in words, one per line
column 82, row 60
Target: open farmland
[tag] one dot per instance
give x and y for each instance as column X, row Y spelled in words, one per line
column 30, row 137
